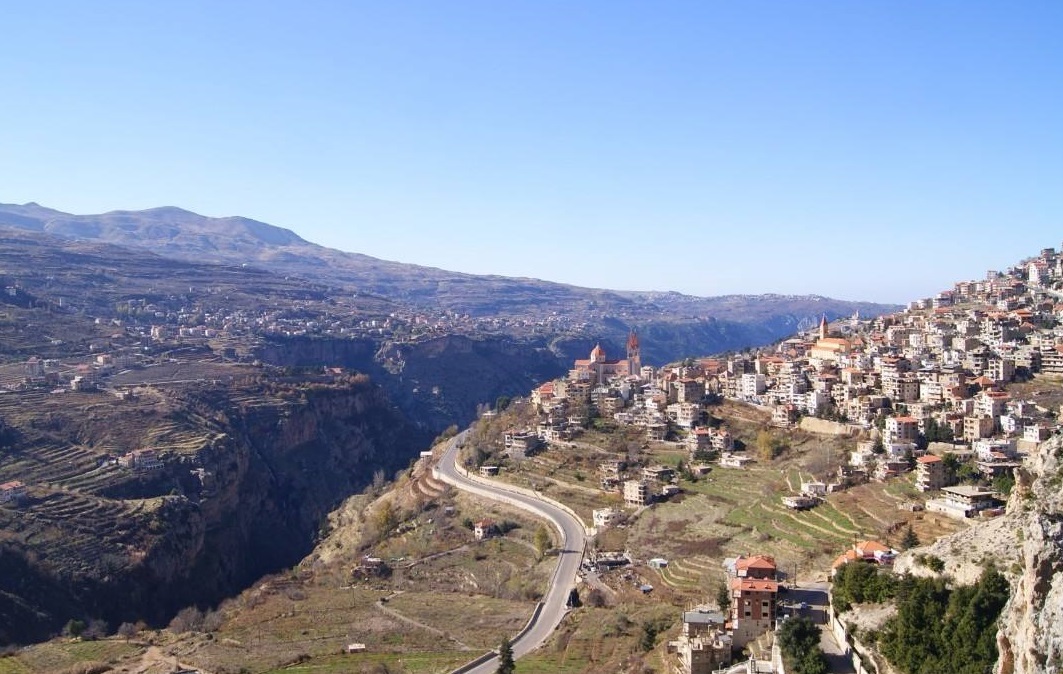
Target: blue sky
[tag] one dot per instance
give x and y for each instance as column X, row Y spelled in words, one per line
column 862, row 150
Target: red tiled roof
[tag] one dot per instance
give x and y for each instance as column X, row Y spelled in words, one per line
column 754, row 585
column 868, row 548
column 845, row 558
column 756, row 562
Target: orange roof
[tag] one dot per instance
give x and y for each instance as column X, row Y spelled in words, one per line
column 755, row 562
column 867, row 548
column 14, row 484
column 845, row 558
column 754, row 585
column 929, row 458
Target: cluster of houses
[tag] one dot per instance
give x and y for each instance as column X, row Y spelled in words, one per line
column 935, row 375
column 870, row 552
column 640, row 486
column 710, row 635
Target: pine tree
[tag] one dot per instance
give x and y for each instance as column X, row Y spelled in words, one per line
column 910, row 540
column 505, row 658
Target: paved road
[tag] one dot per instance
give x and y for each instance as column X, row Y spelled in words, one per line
column 814, row 596
column 573, row 540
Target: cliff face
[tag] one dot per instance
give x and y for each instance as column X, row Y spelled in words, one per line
column 247, row 499
column 1031, row 629
column 1026, row 544
column 437, row 382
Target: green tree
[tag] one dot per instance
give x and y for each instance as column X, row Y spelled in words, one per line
column 910, row 540
column 75, row 627
column 942, row 629
column 858, row 582
column 952, row 467
column 1003, row 484
column 573, row 599
column 542, row 541
column 723, row 596
column 768, row 445
column 878, row 447
column 648, row 638
column 506, row 665
column 799, row 642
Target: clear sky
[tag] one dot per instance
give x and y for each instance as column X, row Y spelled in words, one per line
column 856, row 149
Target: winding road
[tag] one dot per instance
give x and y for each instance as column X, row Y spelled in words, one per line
column 573, row 538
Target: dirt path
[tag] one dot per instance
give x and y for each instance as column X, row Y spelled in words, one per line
column 155, row 661
column 410, row 621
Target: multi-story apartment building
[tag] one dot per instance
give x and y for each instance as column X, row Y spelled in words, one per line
column 929, row 473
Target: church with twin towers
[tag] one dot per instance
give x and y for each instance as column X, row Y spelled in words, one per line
column 598, row 369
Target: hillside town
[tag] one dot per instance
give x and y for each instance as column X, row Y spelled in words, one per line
column 913, row 389
column 922, row 392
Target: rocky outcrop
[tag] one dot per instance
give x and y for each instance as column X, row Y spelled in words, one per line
column 1031, row 629
column 1026, row 544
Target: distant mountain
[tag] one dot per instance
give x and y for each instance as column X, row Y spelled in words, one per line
column 179, row 234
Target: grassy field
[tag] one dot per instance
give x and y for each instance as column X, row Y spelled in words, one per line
column 60, row 655
column 606, row 640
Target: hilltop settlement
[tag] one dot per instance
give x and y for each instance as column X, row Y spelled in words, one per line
column 931, row 396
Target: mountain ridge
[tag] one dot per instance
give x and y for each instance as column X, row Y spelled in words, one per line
column 171, row 231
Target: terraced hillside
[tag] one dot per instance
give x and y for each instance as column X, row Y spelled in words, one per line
column 131, row 494
column 730, row 511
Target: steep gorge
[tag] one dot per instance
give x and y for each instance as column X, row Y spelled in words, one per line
column 273, row 460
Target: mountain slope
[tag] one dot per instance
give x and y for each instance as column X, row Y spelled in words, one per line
column 176, row 233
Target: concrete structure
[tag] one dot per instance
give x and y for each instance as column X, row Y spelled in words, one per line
column 605, row 517
column 929, row 473
column 521, row 443
column 12, row 492
column 963, row 501
column 141, row 460
column 636, row 493
column 703, row 646
column 483, row 529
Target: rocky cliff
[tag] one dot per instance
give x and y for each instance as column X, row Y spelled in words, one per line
column 437, row 381
column 1026, row 544
column 249, row 474
column 1031, row 630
